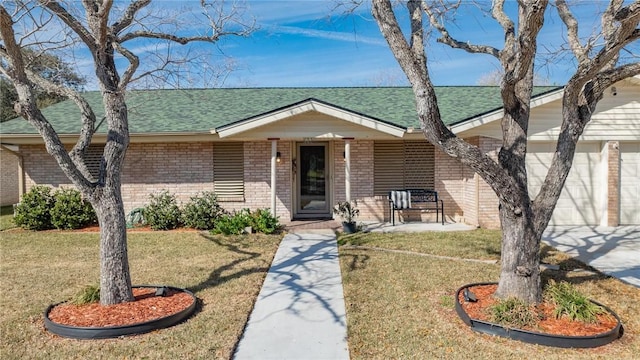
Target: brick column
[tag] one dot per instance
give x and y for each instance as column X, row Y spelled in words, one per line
column 613, row 183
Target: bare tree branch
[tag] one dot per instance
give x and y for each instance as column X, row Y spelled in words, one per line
column 446, row 38
column 580, row 52
column 72, row 22
column 26, row 107
column 134, row 62
column 129, row 15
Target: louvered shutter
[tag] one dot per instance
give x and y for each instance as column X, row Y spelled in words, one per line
column 228, row 171
column 92, row 159
column 419, row 165
column 388, row 166
column 403, row 165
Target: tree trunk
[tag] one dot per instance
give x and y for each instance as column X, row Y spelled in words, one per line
column 115, row 281
column 520, row 270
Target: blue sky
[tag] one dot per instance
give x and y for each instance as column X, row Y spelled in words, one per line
column 305, row 43
column 310, row 44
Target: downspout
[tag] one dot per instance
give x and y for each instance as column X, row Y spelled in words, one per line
column 16, row 151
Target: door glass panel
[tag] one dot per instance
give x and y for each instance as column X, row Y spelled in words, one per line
column 312, row 185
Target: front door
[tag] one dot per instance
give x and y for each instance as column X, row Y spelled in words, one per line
column 312, row 181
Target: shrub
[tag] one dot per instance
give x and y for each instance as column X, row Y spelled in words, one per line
column 263, row 221
column 233, row 224
column 163, row 212
column 513, row 312
column 570, row 302
column 202, row 212
column 71, row 211
column 90, row 294
column 33, row 212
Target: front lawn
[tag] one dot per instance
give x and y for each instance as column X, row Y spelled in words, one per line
column 6, row 217
column 41, row 268
column 401, row 305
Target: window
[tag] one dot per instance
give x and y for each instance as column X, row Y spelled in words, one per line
column 228, row 171
column 403, row 165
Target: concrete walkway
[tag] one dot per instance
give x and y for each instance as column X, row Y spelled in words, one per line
column 300, row 311
column 614, row 251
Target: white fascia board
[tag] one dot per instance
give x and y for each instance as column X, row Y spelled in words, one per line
column 497, row 115
column 307, row 106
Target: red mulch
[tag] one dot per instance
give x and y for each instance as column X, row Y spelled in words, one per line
column 145, row 307
column 548, row 325
column 96, row 228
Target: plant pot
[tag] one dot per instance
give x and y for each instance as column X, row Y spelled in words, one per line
column 349, row 227
column 532, row 337
column 105, row 332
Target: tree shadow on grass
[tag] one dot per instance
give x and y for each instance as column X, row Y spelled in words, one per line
column 355, row 261
column 217, row 278
column 579, row 271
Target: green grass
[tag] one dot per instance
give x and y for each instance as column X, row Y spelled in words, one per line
column 41, row 268
column 401, row 306
column 477, row 244
column 398, row 305
column 6, row 217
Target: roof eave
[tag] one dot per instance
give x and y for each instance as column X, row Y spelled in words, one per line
column 496, row 115
column 303, row 107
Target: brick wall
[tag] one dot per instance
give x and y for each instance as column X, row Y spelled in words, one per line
column 448, row 184
column 184, row 169
column 370, row 207
column 471, row 182
column 9, row 191
column 613, row 183
column 257, row 178
column 488, row 216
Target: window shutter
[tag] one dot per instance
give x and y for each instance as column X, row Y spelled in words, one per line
column 419, row 164
column 228, row 171
column 388, row 166
column 403, row 165
column 92, row 159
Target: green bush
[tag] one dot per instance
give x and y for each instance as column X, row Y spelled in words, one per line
column 513, row 313
column 202, row 211
column 90, row 294
column 33, row 211
column 163, row 212
column 260, row 220
column 71, row 211
column 571, row 303
column 263, row 221
column 233, row 224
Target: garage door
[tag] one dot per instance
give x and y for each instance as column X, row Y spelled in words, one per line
column 630, row 183
column 579, row 201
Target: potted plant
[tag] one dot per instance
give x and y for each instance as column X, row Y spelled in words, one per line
column 348, row 212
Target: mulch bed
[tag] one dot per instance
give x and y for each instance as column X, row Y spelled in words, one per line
column 145, row 307
column 549, row 324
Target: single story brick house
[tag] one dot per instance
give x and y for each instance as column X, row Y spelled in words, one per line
column 299, row 151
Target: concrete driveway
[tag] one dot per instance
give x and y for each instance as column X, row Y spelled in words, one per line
column 614, row 251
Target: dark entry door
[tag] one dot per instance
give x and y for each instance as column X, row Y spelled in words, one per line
column 312, row 181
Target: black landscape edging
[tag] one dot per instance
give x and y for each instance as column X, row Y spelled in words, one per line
column 106, row 332
column 533, row 337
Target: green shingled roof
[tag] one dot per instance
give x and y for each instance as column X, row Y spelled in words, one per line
column 200, row 110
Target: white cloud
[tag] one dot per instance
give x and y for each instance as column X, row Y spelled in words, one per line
column 329, row 35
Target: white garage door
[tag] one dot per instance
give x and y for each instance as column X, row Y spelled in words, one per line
column 630, row 183
column 579, row 201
